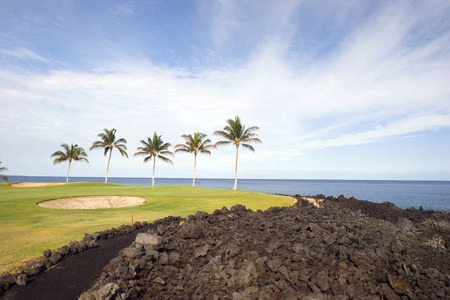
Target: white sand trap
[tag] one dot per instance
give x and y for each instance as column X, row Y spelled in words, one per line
column 35, row 184
column 93, row 202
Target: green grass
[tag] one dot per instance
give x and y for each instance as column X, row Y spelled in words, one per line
column 26, row 230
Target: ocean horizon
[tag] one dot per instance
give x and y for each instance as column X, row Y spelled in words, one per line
column 431, row 195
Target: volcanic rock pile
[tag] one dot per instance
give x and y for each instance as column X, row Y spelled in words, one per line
column 299, row 252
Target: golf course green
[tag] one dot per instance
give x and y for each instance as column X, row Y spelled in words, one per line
column 26, row 229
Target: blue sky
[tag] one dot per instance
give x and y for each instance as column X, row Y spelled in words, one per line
column 339, row 89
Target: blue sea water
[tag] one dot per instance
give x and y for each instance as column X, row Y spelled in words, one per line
column 433, row 195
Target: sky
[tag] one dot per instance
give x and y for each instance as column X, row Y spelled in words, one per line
column 339, row 89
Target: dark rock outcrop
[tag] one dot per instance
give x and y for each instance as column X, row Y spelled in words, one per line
column 301, row 252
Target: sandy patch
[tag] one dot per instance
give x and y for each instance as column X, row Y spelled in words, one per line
column 35, row 184
column 93, row 202
column 313, row 201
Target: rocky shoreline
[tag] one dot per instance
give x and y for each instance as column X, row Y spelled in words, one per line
column 345, row 249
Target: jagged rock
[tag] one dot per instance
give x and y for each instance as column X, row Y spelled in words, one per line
column 400, row 286
column 33, row 268
column 64, row 250
column 192, row 231
column 159, row 280
column 164, row 258
column 201, row 251
column 274, row 264
column 45, row 262
column 238, row 208
column 47, row 253
column 331, row 252
column 249, row 293
column 6, row 280
column 55, row 258
column 131, row 252
column 232, row 249
column 321, row 280
column 109, row 291
column 22, row 279
column 174, row 258
column 149, row 241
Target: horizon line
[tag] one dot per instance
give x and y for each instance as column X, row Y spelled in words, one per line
column 217, row 178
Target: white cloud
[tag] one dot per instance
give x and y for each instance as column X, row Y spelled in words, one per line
column 23, row 53
column 406, row 126
column 126, row 10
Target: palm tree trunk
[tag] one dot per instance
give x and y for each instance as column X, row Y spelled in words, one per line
column 67, row 178
column 107, row 167
column 195, row 164
column 235, row 170
column 153, row 176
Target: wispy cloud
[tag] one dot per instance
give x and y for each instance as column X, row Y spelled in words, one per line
column 126, row 10
column 403, row 127
column 23, row 53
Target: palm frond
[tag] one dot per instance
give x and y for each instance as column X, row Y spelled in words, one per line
column 220, row 143
column 224, row 134
column 205, row 152
column 97, row 144
column 248, row 147
column 167, row 152
column 183, row 148
column 206, row 148
column 58, row 153
column 253, row 140
column 82, row 159
column 59, row 160
column 165, row 159
column 142, row 152
column 121, row 141
column 2, row 169
column 122, row 151
column 107, row 149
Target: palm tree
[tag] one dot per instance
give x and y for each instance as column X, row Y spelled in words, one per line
column 154, row 148
column 2, row 169
column 195, row 144
column 235, row 133
column 73, row 153
column 108, row 142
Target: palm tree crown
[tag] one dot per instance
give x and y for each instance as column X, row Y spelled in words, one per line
column 69, row 154
column 3, row 169
column 108, row 142
column 236, row 133
column 154, row 148
column 195, row 144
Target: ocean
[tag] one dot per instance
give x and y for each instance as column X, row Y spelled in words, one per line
column 431, row 195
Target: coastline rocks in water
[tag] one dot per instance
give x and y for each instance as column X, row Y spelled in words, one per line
column 303, row 252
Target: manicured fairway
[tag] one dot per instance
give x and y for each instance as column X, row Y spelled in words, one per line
column 26, row 230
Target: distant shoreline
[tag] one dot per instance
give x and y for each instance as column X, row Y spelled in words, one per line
column 80, row 178
column 431, row 195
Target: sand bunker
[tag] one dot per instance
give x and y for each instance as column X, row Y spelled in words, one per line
column 35, row 184
column 93, row 202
